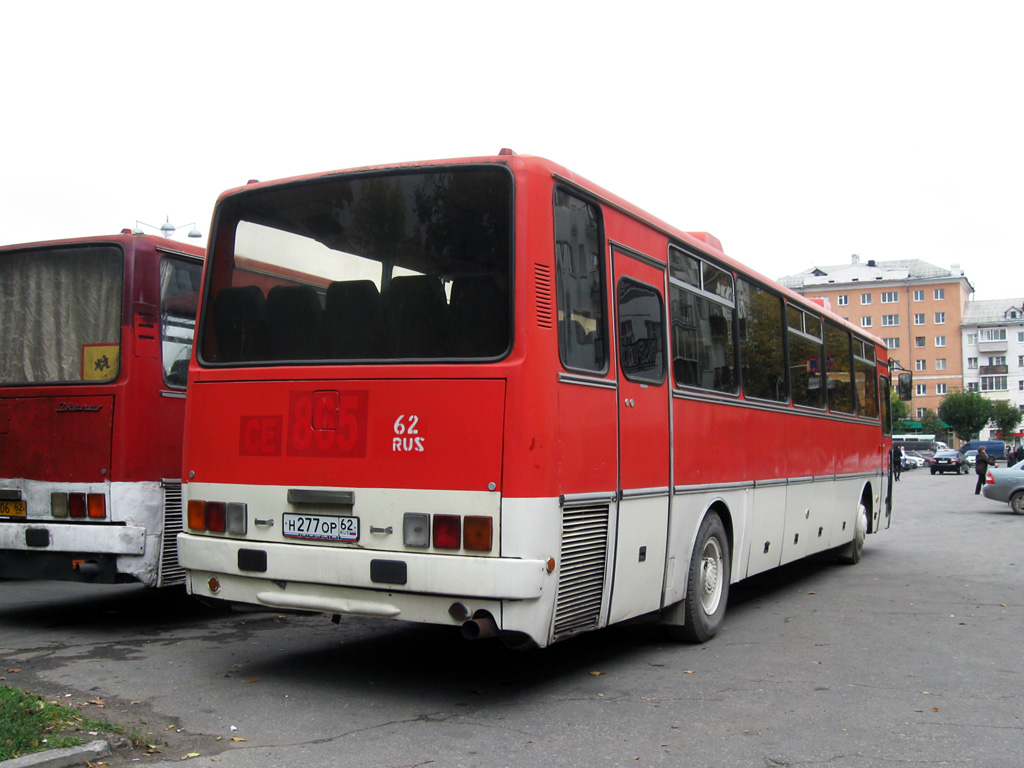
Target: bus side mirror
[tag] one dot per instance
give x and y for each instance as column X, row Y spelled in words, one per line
column 905, row 386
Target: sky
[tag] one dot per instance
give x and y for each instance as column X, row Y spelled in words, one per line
column 798, row 133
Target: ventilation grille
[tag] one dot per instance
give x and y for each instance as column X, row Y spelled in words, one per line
column 581, row 578
column 171, row 571
column 545, row 312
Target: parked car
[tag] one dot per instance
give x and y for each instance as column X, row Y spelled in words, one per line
column 912, row 460
column 948, row 461
column 971, row 457
column 1006, row 485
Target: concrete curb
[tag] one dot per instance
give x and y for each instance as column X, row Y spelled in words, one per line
column 61, row 758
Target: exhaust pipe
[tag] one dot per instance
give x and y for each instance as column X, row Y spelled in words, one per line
column 480, row 626
column 87, row 570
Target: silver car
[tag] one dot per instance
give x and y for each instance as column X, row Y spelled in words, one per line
column 1006, row 485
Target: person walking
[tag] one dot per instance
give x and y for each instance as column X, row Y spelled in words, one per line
column 897, row 462
column 981, row 465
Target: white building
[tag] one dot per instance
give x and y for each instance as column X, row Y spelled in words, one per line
column 993, row 348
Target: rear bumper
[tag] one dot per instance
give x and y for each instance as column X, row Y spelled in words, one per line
column 484, row 578
column 69, row 537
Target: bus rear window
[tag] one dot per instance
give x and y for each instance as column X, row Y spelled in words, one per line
column 60, row 315
column 397, row 266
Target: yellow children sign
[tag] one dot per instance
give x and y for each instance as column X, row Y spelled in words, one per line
column 100, row 361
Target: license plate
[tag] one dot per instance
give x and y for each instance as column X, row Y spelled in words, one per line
column 321, row 527
column 13, row 509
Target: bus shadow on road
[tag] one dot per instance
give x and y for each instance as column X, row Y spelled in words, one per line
column 408, row 657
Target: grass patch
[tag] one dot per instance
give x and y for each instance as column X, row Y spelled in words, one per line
column 29, row 724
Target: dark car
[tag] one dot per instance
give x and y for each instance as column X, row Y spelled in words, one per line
column 948, row 461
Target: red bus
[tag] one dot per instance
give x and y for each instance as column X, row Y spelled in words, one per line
column 488, row 393
column 95, row 337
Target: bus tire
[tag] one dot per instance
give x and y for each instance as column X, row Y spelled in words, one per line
column 707, row 585
column 850, row 554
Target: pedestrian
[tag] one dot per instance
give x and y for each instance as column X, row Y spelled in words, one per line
column 1018, row 457
column 897, row 462
column 981, row 465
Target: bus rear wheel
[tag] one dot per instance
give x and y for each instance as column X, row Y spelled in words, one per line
column 707, row 585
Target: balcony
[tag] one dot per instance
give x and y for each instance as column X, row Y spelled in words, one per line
column 992, row 346
column 993, row 370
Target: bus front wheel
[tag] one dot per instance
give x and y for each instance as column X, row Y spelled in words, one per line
column 707, row 585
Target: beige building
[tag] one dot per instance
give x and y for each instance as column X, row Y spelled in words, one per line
column 914, row 306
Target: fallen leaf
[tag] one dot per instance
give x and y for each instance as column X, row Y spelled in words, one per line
column 190, row 755
column 597, row 674
column 12, row 671
column 253, row 680
column 687, row 671
column 935, row 709
column 237, row 738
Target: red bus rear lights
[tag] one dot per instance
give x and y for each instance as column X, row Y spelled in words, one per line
column 447, row 531
column 217, row 516
column 97, row 506
column 76, row 505
column 476, row 533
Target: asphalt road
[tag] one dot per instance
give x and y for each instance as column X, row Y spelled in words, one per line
column 911, row 657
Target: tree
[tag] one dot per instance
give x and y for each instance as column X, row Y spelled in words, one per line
column 932, row 424
column 900, row 409
column 966, row 412
column 1006, row 416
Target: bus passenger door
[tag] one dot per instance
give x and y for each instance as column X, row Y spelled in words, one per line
column 644, row 460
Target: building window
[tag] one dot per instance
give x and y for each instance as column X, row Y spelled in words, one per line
column 865, row 322
column 993, row 383
column 920, row 413
column 890, row 319
column 919, row 318
column 997, row 360
column 1020, row 361
column 919, row 341
column 865, row 298
column 940, row 318
column 940, row 294
column 920, row 365
column 890, row 297
column 921, row 389
column 940, row 341
column 892, row 343
column 993, row 334
column 940, row 389
column 1020, row 336
column 918, row 295
column 940, row 364
column 972, row 386
column 843, row 300
column 972, row 363
column 972, row 338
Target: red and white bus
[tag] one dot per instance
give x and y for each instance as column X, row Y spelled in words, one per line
column 95, row 337
column 486, row 392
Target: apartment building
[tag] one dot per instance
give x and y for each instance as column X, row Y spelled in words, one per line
column 915, row 307
column 993, row 348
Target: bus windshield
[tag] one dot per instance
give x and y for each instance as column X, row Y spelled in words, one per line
column 60, row 317
column 387, row 266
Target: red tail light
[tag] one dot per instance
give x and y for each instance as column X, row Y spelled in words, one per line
column 447, row 531
column 76, row 505
column 216, row 519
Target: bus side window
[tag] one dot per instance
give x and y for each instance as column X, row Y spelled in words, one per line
column 580, row 273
